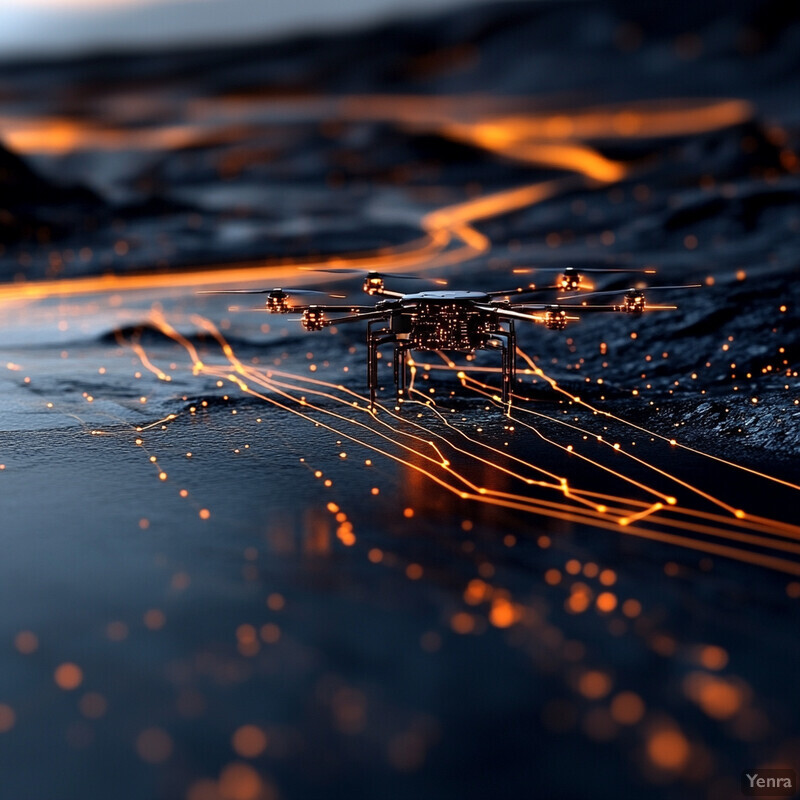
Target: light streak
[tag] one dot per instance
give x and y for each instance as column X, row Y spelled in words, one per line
column 593, row 515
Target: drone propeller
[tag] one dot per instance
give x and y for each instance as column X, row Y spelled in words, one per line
column 300, row 309
column 523, row 270
column 376, row 274
column 268, row 291
column 630, row 289
column 521, row 290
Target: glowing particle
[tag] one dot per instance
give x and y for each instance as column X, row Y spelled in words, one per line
column 668, row 749
column 68, row 676
column 270, row 633
column 608, row 577
column 462, row 622
column 594, row 684
column 627, row 708
column 154, row 745
column 26, row 642
column 241, row 782
column 552, row 576
column 154, row 619
column 8, row 718
column 275, row 602
column 204, row 513
column 713, row 657
column 503, row 613
column 93, row 705
column 631, row 608
column 116, row 631
column 606, row 602
column 249, row 741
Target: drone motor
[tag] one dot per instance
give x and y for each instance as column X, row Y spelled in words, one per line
column 634, row 302
column 313, row 319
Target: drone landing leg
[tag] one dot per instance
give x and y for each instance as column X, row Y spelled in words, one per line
column 512, row 360
column 374, row 340
column 372, row 366
column 509, row 360
column 400, row 370
column 505, row 371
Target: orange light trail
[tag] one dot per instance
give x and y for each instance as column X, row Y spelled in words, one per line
column 591, row 515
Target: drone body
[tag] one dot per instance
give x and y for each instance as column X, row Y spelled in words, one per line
column 447, row 320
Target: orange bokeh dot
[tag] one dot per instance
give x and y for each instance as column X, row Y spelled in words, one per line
column 462, row 622
column 154, row 745
column 204, row 789
column 503, row 613
column 116, row 631
column 154, row 619
column 594, row 684
column 7, row 718
column 607, row 601
column 631, row 608
column 275, row 602
column 270, row 633
column 719, row 698
column 552, row 577
column 68, row 676
column 713, row 657
column 608, row 577
column 476, row 591
column 627, row 708
column 26, row 642
column 249, row 741
column 93, row 705
column 668, row 749
column 240, row 782
column 246, row 634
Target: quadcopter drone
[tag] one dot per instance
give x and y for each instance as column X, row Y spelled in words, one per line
column 460, row 321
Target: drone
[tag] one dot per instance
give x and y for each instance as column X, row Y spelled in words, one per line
column 449, row 320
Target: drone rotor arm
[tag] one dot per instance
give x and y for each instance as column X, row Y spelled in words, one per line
column 366, row 315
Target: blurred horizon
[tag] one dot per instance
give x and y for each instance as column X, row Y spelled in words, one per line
column 58, row 28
